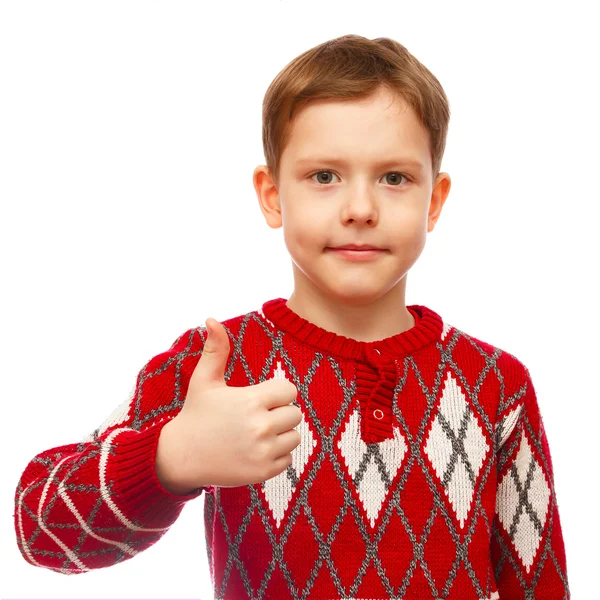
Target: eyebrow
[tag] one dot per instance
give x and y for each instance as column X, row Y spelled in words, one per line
column 382, row 163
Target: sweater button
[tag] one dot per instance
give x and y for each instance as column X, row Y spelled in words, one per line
column 378, row 414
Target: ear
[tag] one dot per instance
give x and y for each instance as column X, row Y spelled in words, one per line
column 268, row 196
column 438, row 198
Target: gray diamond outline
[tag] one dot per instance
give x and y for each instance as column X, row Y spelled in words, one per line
column 95, row 446
column 547, row 550
column 139, row 422
column 490, row 364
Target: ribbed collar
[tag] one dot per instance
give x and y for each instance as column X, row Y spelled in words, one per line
column 427, row 329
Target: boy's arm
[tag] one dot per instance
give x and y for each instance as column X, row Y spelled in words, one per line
column 527, row 547
column 86, row 506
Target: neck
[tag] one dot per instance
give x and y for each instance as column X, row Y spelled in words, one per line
column 364, row 321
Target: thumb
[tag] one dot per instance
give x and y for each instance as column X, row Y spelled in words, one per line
column 211, row 366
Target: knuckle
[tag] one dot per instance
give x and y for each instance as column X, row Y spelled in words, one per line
column 260, row 431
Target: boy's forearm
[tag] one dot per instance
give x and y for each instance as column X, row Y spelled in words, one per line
column 170, row 459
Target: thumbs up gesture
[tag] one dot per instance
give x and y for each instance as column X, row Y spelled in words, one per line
column 227, row 436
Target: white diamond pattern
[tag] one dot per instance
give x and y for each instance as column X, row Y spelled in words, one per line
column 456, row 447
column 372, row 488
column 522, row 503
column 279, row 489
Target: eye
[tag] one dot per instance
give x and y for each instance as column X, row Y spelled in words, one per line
column 396, row 173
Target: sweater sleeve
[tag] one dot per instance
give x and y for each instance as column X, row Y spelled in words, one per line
column 527, row 547
column 88, row 505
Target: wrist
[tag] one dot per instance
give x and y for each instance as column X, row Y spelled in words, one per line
column 168, row 461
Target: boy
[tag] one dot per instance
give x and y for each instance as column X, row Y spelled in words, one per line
column 348, row 446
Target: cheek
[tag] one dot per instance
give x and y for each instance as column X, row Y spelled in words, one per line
column 305, row 234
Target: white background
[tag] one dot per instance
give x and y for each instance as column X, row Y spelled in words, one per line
column 128, row 136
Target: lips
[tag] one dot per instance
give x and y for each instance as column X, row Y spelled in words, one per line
column 357, row 255
column 356, row 248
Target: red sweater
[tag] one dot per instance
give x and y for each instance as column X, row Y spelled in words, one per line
column 424, row 471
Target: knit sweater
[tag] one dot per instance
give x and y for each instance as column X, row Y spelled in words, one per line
column 423, row 471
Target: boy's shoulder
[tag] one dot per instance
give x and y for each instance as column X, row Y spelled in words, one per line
column 195, row 337
column 488, row 355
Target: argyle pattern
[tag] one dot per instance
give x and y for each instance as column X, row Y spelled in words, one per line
column 422, row 475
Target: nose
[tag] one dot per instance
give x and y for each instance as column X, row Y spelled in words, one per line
column 361, row 207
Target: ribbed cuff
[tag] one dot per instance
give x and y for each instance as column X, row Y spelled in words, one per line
column 132, row 479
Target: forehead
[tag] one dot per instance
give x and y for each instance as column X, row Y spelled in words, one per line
column 376, row 129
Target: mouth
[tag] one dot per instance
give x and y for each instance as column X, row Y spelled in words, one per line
column 357, row 254
column 372, row 249
column 351, row 247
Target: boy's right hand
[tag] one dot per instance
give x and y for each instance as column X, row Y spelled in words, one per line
column 227, row 436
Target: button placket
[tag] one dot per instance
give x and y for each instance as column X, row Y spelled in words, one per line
column 377, row 361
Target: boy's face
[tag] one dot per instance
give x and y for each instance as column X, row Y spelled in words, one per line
column 359, row 200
